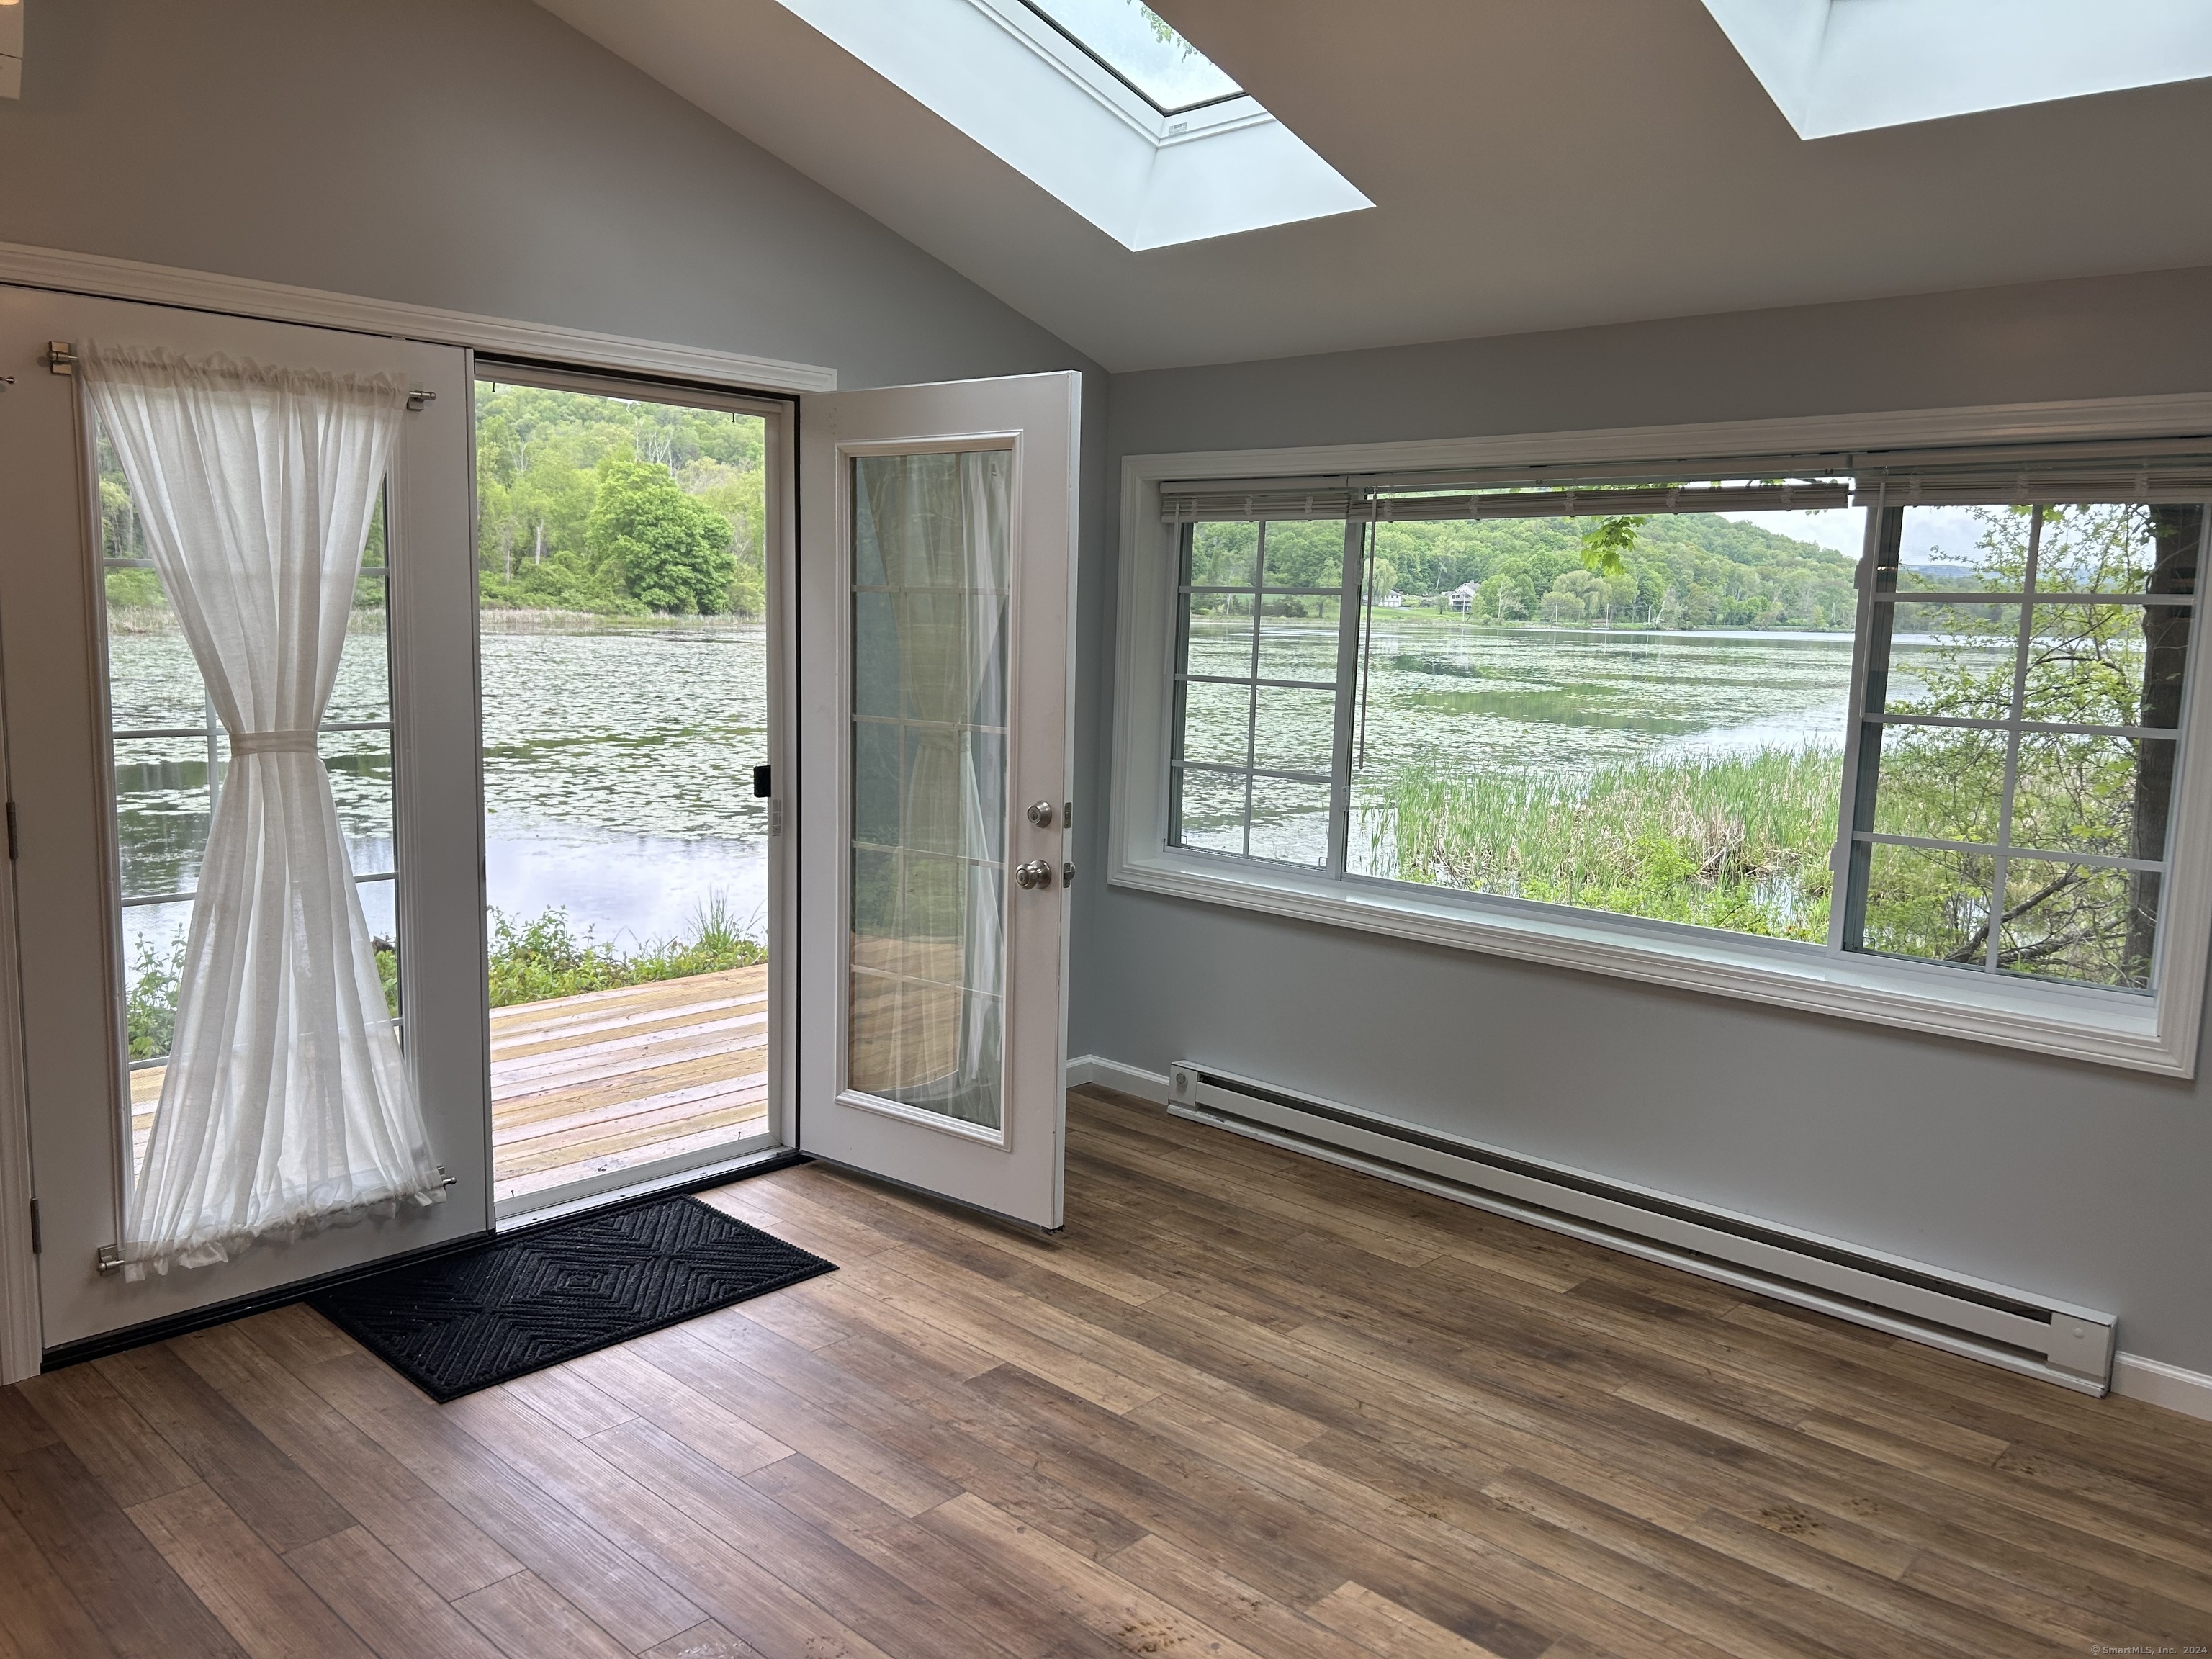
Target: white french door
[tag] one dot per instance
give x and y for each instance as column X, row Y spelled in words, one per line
column 937, row 560
column 105, row 773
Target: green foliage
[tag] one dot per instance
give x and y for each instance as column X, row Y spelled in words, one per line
column 1739, row 842
column 388, row 972
column 132, row 590
column 150, row 985
column 1606, row 543
column 149, row 999
column 671, row 552
column 1164, row 32
column 691, row 542
column 544, row 957
column 2087, row 665
column 1678, row 570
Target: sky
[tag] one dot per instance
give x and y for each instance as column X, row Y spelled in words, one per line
column 1933, row 535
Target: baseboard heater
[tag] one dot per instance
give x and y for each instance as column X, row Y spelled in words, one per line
column 2014, row 1328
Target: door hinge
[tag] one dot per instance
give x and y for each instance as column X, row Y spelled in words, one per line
column 38, row 1238
column 61, row 357
column 11, row 829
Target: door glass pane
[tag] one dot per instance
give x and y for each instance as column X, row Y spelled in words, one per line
column 623, row 653
column 167, row 755
column 927, row 954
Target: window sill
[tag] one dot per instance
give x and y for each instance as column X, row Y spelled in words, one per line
column 2103, row 1028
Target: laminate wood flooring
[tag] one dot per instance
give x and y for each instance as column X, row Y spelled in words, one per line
column 1248, row 1404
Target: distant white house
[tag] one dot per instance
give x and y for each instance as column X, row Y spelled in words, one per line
column 1462, row 596
column 1393, row 597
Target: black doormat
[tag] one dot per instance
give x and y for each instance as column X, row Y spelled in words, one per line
column 466, row 1322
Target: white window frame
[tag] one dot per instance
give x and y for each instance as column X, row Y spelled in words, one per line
column 2154, row 1033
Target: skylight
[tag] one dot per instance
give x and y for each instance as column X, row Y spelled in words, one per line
column 1836, row 66
column 1142, row 50
column 1101, row 104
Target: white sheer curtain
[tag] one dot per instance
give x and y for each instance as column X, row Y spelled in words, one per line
column 986, row 484
column 286, row 1106
column 930, row 617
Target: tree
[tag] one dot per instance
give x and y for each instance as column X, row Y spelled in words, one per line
column 673, row 553
column 1576, row 596
column 539, row 456
column 1509, row 595
column 2087, row 665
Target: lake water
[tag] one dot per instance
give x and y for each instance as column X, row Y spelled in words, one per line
column 1451, row 694
column 618, row 764
column 617, row 777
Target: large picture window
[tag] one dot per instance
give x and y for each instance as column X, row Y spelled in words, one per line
column 1880, row 708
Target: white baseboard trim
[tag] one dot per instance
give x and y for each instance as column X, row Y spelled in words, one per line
column 1113, row 1075
column 2160, row 1384
column 2134, row 1377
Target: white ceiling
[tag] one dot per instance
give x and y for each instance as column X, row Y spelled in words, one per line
column 1534, row 163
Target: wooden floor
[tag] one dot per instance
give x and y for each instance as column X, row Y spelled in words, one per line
column 1247, row 1404
column 585, row 1086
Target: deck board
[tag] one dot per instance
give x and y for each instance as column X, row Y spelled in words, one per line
column 588, row 1084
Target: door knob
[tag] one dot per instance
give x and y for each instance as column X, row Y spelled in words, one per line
column 1033, row 872
column 1040, row 814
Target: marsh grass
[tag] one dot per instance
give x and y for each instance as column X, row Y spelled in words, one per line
column 1739, row 842
column 545, row 957
column 533, row 961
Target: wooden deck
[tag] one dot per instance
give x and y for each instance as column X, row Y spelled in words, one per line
column 586, row 1086
column 1247, row 1406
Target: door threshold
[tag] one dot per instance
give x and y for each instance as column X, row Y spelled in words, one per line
column 527, row 1211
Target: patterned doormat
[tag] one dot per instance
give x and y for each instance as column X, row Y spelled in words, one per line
column 466, row 1321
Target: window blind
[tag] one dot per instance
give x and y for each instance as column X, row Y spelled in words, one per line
column 2162, row 474
column 2153, row 470
column 1200, row 505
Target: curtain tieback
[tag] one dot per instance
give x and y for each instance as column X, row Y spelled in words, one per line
column 273, row 743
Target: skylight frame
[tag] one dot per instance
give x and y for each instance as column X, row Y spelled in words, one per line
column 1003, row 75
column 1107, row 64
column 1834, row 67
column 1084, row 70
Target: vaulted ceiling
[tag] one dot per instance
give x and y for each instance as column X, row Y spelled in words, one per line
column 1534, row 163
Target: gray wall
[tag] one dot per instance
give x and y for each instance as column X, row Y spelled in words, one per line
column 2077, row 1181
column 477, row 155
